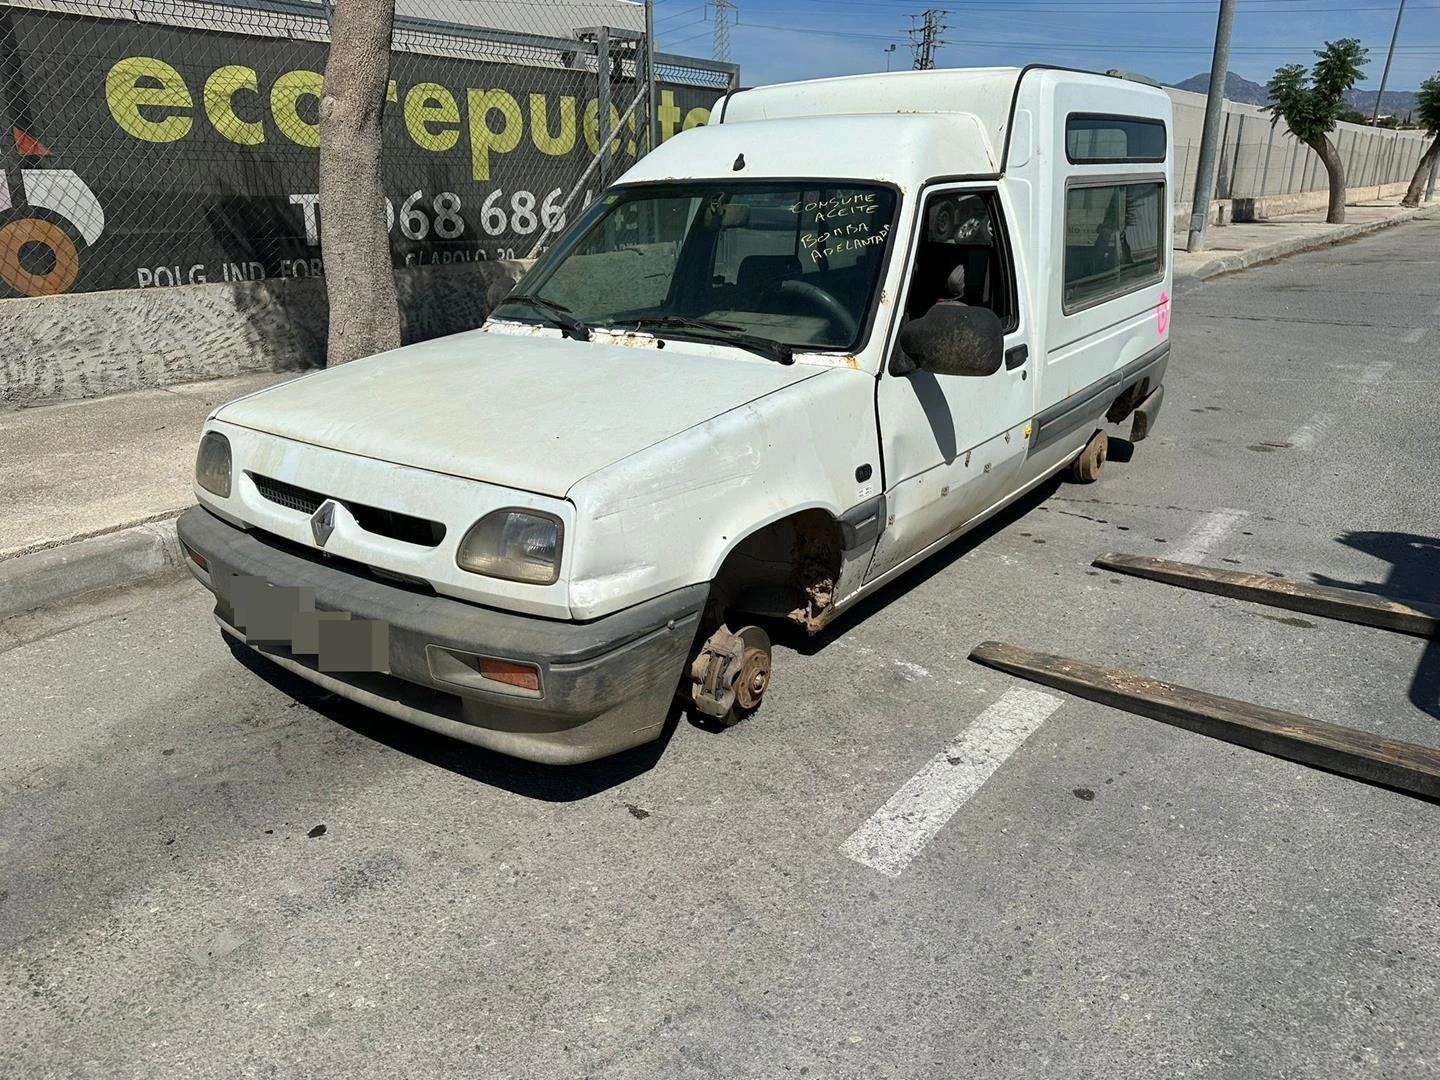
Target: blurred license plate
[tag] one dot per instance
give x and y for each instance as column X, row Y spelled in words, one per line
column 280, row 615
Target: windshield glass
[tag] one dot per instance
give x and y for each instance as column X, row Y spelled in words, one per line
column 795, row 262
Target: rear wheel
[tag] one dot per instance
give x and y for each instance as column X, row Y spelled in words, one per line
column 1086, row 467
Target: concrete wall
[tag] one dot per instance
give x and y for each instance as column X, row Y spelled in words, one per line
column 61, row 348
column 1260, row 161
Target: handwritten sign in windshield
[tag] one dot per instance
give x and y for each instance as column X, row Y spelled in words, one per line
column 843, row 222
column 856, row 205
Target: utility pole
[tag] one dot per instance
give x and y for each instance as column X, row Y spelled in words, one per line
column 1214, row 106
column 925, row 38
column 649, row 62
column 720, row 49
column 889, row 49
column 1385, row 75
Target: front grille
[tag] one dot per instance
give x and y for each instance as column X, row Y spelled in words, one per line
column 324, row 558
column 288, row 495
column 397, row 526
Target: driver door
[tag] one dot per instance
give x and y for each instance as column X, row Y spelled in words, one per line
column 954, row 445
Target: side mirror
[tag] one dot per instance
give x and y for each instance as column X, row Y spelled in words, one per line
column 955, row 339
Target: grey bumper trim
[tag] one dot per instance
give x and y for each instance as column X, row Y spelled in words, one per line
column 1090, row 403
column 603, row 683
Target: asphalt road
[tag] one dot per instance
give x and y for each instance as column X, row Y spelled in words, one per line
column 1119, row 899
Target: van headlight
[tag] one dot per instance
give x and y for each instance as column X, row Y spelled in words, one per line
column 212, row 464
column 517, row 545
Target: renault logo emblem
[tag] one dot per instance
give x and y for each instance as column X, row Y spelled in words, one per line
column 322, row 523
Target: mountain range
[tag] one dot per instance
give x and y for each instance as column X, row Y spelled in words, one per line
column 1239, row 88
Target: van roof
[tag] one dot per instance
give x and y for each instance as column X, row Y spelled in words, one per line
column 905, row 150
column 985, row 93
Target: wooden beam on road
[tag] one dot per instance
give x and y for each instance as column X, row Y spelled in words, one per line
column 1404, row 617
column 1405, row 766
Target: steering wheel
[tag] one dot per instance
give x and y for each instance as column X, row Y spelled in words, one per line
column 828, row 306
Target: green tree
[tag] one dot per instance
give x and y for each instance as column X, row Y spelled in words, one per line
column 1311, row 102
column 1427, row 105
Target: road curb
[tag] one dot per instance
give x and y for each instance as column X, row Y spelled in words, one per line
column 1243, row 260
column 60, row 574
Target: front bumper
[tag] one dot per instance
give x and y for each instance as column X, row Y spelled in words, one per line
column 605, row 685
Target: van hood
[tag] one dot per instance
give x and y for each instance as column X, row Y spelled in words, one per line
column 532, row 413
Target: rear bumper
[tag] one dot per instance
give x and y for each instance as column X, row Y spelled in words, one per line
column 605, row 685
column 1146, row 413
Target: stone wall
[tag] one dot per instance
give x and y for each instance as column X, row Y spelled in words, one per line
column 82, row 345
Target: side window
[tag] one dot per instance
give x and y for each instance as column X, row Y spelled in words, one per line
column 1114, row 240
column 1093, row 140
column 963, row 255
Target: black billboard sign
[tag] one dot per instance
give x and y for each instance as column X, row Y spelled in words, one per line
column 135, row 154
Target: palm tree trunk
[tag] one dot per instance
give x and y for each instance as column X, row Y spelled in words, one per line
column 1335, row 170
column 354, row 239
column 1422, row 175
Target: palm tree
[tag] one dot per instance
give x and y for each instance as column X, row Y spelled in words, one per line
column 1311, row 104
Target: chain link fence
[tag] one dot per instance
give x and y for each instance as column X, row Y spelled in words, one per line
column 149, row 143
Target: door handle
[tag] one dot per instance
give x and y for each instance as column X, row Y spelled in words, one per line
column 1016, row 357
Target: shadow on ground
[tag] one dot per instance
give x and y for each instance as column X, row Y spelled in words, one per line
column 1414, row 576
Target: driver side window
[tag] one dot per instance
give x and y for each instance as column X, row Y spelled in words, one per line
column 962, row 256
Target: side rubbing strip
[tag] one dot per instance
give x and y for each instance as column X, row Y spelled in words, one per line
column 1089, row 405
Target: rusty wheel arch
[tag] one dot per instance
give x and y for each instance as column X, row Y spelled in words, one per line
column 787, row 569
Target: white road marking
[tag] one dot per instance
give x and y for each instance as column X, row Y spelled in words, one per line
column 1414, row 336
column 1206, row 535
column 1377, row 371
column 898, row 831
column 1308, row 433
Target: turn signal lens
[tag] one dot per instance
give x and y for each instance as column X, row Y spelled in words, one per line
column 195, row 557
column 212, row 464
column 524, row 676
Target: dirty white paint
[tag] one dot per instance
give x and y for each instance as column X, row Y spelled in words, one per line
column 900, row 829
column 1207, row 534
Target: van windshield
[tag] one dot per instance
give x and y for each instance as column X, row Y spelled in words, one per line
column 793, row 264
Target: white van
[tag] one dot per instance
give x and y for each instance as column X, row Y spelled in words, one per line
column 786, row 357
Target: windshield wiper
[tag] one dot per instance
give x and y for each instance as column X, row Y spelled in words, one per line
column 560, row 316
column 715, row 330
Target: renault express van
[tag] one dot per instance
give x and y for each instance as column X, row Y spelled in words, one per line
column 785, row 358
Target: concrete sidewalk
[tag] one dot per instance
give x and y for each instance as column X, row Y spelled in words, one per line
column 79, row 481
column 88, row 487
column 1235, row 247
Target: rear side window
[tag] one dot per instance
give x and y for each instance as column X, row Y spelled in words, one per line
column 1114, row 240
column 1111, row 140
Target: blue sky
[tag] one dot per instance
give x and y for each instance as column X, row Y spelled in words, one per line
column 1167, row 39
